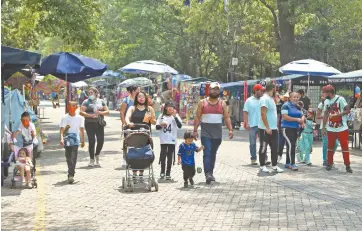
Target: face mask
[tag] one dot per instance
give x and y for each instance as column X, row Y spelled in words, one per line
column 91, row 97
column 26, row 123
column 72, row 110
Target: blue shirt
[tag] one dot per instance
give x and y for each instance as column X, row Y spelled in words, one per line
column 271, row 115
column 253, row 109
column 187, row 153
column 291, row 110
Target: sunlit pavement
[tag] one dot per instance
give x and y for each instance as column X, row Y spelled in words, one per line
column 240, row 199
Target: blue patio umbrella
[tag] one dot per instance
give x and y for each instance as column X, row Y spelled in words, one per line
column 71, row 67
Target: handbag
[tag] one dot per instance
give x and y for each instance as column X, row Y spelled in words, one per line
column 101, row 121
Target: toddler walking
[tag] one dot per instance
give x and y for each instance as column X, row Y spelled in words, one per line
column 186, row 157
column 305, row 142
column 168, row 122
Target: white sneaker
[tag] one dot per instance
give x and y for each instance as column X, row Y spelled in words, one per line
column 264, row 169
column 91, row 163
column 280, row 158
column 277, row 169
column 97, row 161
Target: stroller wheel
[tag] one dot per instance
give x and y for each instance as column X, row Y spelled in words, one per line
column 123, row 182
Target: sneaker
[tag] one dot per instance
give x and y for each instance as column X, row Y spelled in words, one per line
column 70, row 179
column 294, row 167
column 208, row 178
column 23, row 183
column 267, row 163
column 289, row 166
column 277, row 169
column 168, row 177
column 280, row 158
column 329, row 167
column 186, row 184
column 91, row 163
column 349, row 169
column 309, row 164
column 29, row 185
column 162, row 176
column 325, row 163
column 264, row 169
column 254, row 162
column 97, row 161
column 213, row 178
column 191, row 181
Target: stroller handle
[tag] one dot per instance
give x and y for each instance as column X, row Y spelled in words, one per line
column 137, row 127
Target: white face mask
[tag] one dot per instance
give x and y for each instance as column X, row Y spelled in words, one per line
column 91, row 97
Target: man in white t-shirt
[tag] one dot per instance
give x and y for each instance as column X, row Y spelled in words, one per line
column 335, row 126
column 71, row 136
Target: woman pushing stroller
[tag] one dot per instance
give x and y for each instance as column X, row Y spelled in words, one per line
column 140, row 113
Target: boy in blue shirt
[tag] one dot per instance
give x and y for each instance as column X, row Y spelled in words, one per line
column 186, row 156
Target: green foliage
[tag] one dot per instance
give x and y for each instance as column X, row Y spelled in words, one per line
column 200, row 40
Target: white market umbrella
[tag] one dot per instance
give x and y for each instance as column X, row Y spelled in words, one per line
column 146, row 66
column 79, row 84
column 308, row 67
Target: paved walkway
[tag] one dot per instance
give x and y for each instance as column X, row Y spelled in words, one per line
column 241, row 199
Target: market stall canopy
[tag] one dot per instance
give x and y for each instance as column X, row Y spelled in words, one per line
column 17, row 80
column 113, row 74
column 308, row 67
column 80, row 84
column 71, row 66
column 198, row 80
column 145, row 66
column 140, row 82
column 99, row 83
column 13, row 60
column 349, row 77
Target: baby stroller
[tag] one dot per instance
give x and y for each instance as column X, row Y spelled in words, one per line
column 139, row 156
column 16, row 173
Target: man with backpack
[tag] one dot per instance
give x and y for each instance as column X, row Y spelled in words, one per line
column 335, row 126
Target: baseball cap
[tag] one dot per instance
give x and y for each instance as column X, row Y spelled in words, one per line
column 258, row 87
column 214, row 84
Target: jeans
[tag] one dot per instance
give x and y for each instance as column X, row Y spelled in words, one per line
column 325, row 147
column 167, row 151
column 291, row 136
column 94, row 130
column 71, row 154
column 272, row 141
column 211, row 147
column 343, row 140
column 252, row 142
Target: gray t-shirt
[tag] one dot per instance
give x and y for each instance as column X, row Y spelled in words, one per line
column 91, row 105
column 212, row 131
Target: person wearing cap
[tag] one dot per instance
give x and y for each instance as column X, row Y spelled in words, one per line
column 251, row 119
column 209, row 115
column 335, row 126
column 268, row 129
column 168, row 123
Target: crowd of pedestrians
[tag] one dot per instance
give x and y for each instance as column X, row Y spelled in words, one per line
column 277, row 120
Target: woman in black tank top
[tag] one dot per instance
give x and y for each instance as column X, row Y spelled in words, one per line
column 140, row 113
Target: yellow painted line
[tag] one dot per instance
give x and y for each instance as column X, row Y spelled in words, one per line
column 40, row 205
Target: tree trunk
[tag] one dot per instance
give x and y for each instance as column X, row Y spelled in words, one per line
column 287, row 45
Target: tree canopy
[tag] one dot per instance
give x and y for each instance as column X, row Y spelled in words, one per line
column 198, row 39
